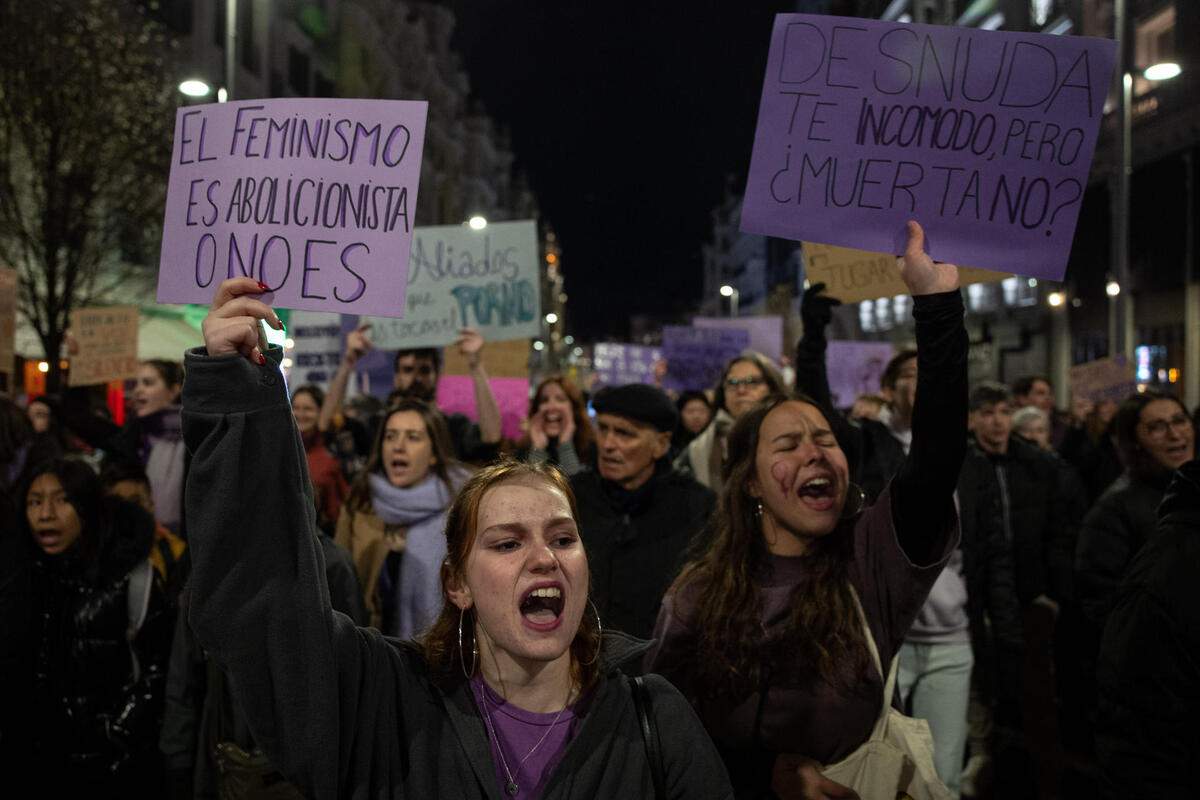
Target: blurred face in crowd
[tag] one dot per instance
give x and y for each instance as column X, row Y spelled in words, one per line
column 526, row 576
column 1040, row 395
column 52, row 519
column 306, row 411
column 555, row 408
column 407, row 449
column 152, row 393
column 744, row 386
column 695, row 415
column 992, row 423
column 135, row 492
column 39, row 416
column 416, row 376
column 902, row 395
column 628, row 449
column 1037, row 432
column 801, row 477
column 1164, row 431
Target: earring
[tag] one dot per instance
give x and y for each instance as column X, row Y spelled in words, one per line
column 860, row 504
column 461, row 654
column 599, row 636
column 758, row 510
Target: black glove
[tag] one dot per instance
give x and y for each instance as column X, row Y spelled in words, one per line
column 816, row 311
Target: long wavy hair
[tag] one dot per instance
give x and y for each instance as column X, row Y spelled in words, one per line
column 446, row 660
column 584, row 438
column 822, row 633
column 444, row 465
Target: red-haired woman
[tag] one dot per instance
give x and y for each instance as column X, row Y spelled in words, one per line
column 514, row 691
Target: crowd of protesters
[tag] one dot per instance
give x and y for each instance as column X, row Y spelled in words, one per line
column 1023, row 577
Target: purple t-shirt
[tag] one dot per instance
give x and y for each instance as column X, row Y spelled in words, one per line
column 517, row 731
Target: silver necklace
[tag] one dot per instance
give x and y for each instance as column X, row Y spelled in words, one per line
column 511, row 788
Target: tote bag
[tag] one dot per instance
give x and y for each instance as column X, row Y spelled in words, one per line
column 896, row 762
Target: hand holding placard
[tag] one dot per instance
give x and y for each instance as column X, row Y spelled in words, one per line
column 920, row 273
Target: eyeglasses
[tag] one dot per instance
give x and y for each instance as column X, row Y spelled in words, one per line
column 749, row 382
column 1158, row 428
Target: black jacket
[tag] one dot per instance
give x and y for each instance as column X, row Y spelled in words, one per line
column 1113, row 532
column 637, row 541
column 96, row 716
column 1149, row 670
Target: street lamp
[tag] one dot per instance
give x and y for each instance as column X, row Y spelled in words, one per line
column 551, row 318
column 732, row 294
column 1056, row 299
column 477, row 223
column 1162, row 72
column 194, row 87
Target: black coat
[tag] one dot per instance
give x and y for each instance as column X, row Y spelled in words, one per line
column 1149, row 671
column 637, row 541
column 1113, row 532
column 95, row 721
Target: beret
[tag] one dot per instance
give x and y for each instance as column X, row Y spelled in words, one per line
column 637, row 401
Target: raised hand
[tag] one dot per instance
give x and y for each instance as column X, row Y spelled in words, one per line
column 470, row 345
column 358, row 343
column 921, row 274
column 537, row 430
column 232, row 323
column 816, row 309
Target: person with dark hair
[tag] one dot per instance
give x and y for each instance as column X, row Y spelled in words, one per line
column 637, row 512
column 1149, row 669
column 1035, row 391
column 745, row 380
column 101, row 638
column 559, row 428
column 149, row 439
column 323, row 468
column 515, row 691
column 695, row 412
column 16, row 439
column 393, row 517
column 783, row 629
column 415, row 375
column 1155, row 437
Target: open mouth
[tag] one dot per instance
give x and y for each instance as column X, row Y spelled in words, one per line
column 817, row 493
column 542, row 606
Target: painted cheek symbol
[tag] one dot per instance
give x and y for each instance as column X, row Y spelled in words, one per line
column 783, row 474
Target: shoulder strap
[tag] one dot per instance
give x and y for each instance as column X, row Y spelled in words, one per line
column 641, row 701
column 137, row 602
column 889, row 678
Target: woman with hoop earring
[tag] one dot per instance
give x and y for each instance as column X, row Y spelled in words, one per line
column 516, row 691
column 782, row 631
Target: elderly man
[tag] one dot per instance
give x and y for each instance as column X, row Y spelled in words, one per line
column 637, row 513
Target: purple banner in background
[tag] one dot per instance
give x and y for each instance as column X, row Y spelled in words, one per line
column 456, row 395
column 696, row 356
column 984, row 137
column 855, row 368
column 766, row 333
column 618, row 364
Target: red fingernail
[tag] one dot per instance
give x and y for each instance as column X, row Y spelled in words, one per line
column 262, row 359
column 263, row 287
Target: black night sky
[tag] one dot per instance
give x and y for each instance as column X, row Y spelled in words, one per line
column 628, row 117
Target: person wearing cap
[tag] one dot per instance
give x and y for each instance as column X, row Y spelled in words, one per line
column 637, row 513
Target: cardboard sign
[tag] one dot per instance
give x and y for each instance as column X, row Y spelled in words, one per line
column 500, row 360
column 319, row 345
column 1113, row 378
column 456, row 395
column 856, row 275
column 108, row 345
column 489, row 280
column 766, row 333
column 313, row 197
column 984, row 137
column 8, row 320
column 696, row 356
column 855, row 368
column 616, row 364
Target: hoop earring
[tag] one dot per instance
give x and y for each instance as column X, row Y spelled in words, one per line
column 462, row 658
column 599, row 636
column 859, row 506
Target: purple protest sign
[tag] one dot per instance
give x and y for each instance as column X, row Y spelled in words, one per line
column 766, row 333
column 619, row 364
column 696, row 356
column 855, row 368
column 984, row 137
column 456, row 395
column 313, row 197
